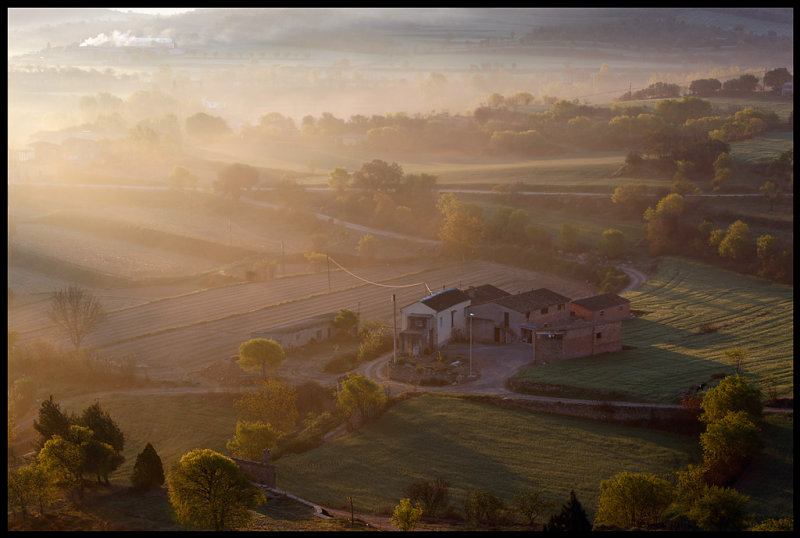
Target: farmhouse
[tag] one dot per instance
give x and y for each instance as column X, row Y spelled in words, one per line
column 501, row 320
column 432, row 322
column 300, row 333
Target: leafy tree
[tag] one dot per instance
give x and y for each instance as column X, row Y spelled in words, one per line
column 274, row 403
column 52, row 421
column 251, row 438
column 705, row 86
column 721, row 509
column 433, row 495
column 378, row 175
column 346, row 321
column 104, row 428
column 633, row 501
column 234, row 178
column 206, row 127
column 101, row 459
column 339, row 179
column 773, row 525
column 612, row 243
column 775, row 258
column 776, row 78
column 772, row 193
column 368, row 246
column 737, row 244
column 148, row 471
column 260, row 354
column 462, row 225
column 359, row 398
column 31, row 485
column 723, row 171
column 532, row 506
column 208, row 490
column 482, row 507
column 736, row 357
column 746, row 83
column 316, row 260
column 569, row 237
column 734, row 393
column 571, row 518
column 66, row 458
column 405, row 516
column 76, row 312
column 729, row 444
column 631, row 198
column 664, row 224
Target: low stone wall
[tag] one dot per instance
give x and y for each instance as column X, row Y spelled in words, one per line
column 258, row 472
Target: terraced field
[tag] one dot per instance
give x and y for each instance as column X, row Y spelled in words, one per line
column 688, row 315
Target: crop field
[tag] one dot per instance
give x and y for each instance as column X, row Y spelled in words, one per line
column 688, row 315
column 477, row 445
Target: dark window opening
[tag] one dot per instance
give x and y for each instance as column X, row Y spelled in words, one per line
column 599, row 336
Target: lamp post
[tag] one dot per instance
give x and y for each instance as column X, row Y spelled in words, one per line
column 471, row 316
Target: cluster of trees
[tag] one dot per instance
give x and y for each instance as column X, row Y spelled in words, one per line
column 699, row 497
column 672, row 228
column 431, row 499
column 70, row 448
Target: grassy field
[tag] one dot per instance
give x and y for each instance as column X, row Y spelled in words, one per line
column 477, row 445
column 669, row 355
column 763, row 148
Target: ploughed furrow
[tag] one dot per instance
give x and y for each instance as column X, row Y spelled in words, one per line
column 176, row 352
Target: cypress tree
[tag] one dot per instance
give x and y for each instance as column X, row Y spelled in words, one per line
column 571, row 518
column 148, row 472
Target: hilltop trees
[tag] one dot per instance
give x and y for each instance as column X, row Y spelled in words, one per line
column 234, row 178
column 76, row 312
column 359, row 399
column 776, row 78
column 462, row 225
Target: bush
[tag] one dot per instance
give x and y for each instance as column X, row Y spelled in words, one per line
column 481, row 507
column 432, row 495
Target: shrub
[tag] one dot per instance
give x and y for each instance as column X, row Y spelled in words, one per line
column 433, row 495
column 406, row 516
column 481, row 507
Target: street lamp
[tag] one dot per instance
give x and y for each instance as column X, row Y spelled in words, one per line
column 471, row 317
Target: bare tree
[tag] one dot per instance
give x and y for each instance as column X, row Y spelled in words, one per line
column 76, row 312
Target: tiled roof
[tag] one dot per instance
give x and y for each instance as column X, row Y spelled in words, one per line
column 485, row 293
column 445, row 299
column 600, row 302
column 532, row 300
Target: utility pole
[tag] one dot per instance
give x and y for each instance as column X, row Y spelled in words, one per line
column 394, row 326
column 328, row 261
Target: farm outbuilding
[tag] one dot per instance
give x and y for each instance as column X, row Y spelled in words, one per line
column 605, row 307
column 300, row 333
column 571, row 339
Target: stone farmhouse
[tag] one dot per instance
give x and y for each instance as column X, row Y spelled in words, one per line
column 555, row 326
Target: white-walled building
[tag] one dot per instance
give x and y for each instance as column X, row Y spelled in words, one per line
column 432, row 322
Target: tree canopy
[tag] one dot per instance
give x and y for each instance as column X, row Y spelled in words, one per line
column 148, row 471
column 263, row 354
column 208, row 490
column 633, row 501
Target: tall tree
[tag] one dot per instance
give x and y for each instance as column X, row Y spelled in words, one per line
column 721, row 509
column 378, row 175
column 339, row 180
column 273, row 402
column 571, row 518
column 148, row 471
column 263, row 354
column 406, row 516
column 234, row 178
column 734, row 393
column 52, row 421
column 729, row 444
column 776, row 78
column 359, row 398
column 208, row 490
column 251, row 438
column 462, row 226
column 76, row 312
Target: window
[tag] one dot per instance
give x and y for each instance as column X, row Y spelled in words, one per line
column 561, row 306
column 505, row 319
column 440, row 323
column 602, row 312
column 452, row 318
column 544, row 310
column 599, row 336
column 620, row 308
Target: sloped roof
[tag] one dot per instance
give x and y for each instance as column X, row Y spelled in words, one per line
column 532, row 300
column 291, row 327
column 600, row 302
column 485, row 293
column 445, row 299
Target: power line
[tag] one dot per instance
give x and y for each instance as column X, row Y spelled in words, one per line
column 378, row 283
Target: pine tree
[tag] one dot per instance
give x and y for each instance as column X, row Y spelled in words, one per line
column 571, row 518
column 148, row 472
column 52, row 421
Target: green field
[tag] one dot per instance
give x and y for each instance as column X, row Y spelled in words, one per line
column 477, row 445
column 668, row 354
column 763, row 148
